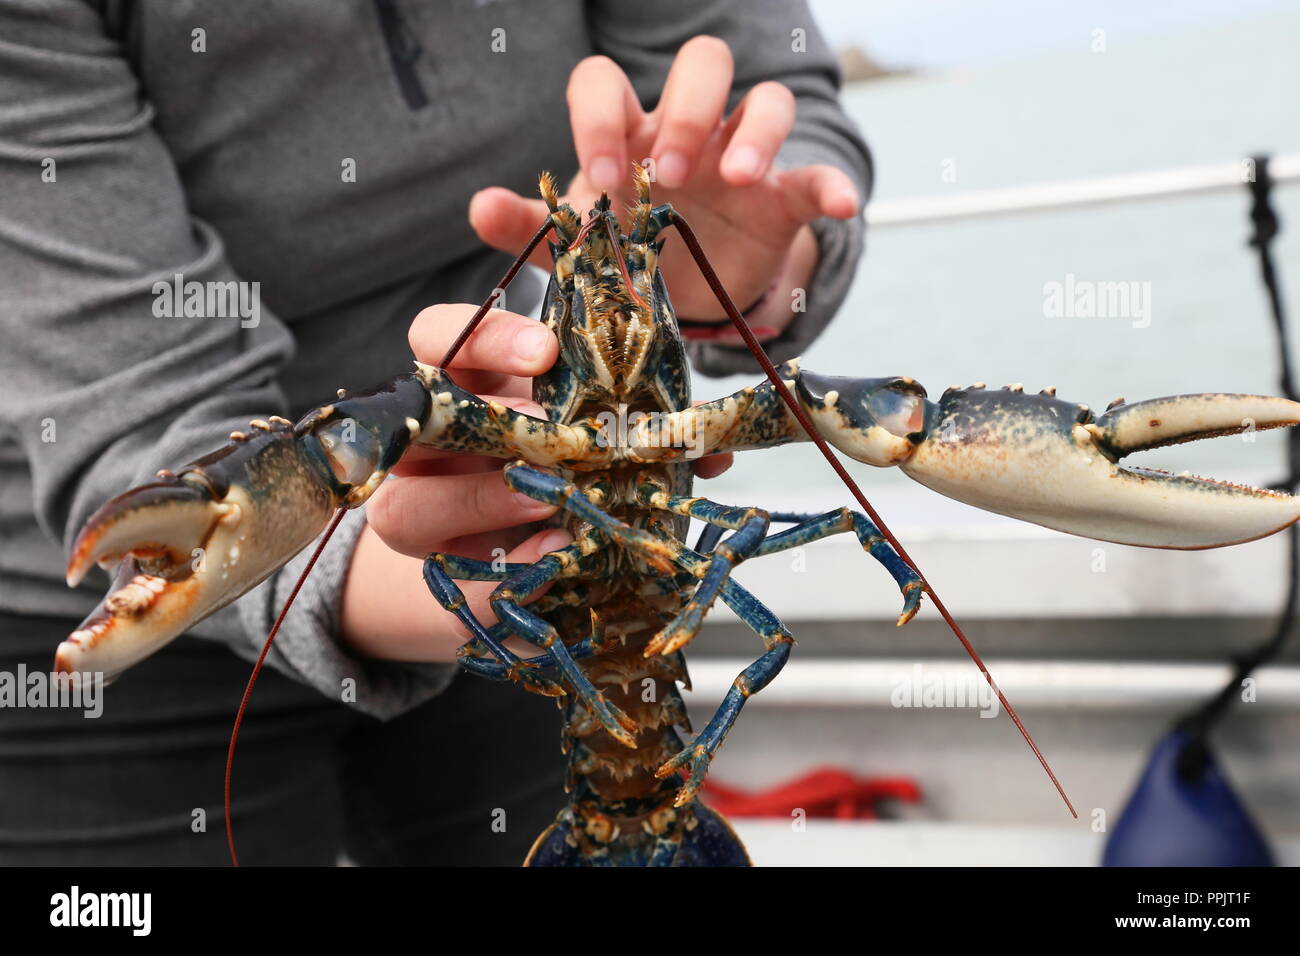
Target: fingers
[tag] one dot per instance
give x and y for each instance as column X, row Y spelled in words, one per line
column 506, row 220
column 691, row 108
column 414, row 513
column 762, row 122
column 603, row 111
column 504, row 343
column 815, row 191
column 418, row 461
column 713, row 465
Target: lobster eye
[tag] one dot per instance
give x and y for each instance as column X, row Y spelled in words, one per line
column 897, row 411
column 352, row 452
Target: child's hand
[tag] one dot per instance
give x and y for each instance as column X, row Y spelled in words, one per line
column 751, row 219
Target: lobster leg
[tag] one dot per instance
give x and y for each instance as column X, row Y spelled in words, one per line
column 810, row 528
column 452, row 599
column 471, row 569
column 589, row 646
column 710, row 535
column 527, row 625
column 778, row 641
column 750, row 525
column 473, row 654
column 524, row 579
column 664, row 554
column 478, row 660
column 441, row 571
column 524, row 623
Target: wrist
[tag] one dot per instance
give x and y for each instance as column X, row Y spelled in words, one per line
column 785, row 296
column 775, row 307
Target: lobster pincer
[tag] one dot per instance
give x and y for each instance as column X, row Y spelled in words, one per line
column 1054, row 463
column 193, row 541
column 1035, row 457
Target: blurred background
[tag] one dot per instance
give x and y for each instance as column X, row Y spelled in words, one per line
column 1099, row 646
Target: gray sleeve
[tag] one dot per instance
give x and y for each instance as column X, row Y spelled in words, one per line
column 770, row 40
column 93, row 215
column 305, row 648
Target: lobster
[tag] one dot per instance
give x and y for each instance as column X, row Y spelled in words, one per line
column 614, row 454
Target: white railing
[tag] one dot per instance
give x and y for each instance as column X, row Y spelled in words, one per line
column 1030, row 684
column 1041, row 197
column 1035, row 684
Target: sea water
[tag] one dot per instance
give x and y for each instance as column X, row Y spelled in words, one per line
column 960, row 302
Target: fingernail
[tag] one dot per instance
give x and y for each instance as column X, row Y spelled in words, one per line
column 744, row 161
column 524, row 406
column 671, row 170
column 554, row 540
column 531, row 342
column 604, row 173
column 525, row 503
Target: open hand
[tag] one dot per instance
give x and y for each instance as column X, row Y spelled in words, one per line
column 717, row 170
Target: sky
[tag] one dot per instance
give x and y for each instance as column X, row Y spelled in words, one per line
column 941, row 34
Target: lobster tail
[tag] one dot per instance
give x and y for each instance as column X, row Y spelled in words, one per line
column 707, row 840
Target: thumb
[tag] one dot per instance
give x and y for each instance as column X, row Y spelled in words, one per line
column 506, row 220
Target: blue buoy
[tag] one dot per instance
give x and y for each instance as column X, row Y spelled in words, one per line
column 1185, row 813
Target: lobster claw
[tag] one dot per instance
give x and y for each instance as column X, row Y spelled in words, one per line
column 1051, row 462
column 163, row 522
column 156, row 535
column 191, row 543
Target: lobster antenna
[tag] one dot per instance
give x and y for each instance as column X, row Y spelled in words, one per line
column 711, row 277
column 257, row 670
column 508, row 278
column 275, row 629
column 622, row 266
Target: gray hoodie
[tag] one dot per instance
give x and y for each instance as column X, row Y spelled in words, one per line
column 327, row 152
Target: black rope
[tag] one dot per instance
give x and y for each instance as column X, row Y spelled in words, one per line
column 1198, row 724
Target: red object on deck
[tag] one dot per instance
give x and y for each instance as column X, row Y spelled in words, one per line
column 826, row 792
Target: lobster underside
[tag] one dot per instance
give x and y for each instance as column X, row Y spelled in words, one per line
column 615, row 454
